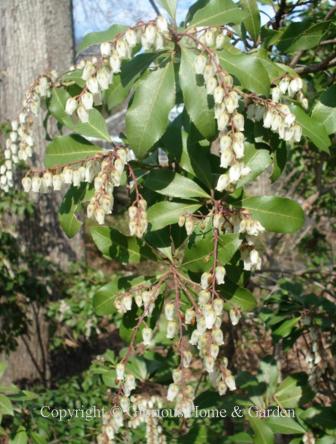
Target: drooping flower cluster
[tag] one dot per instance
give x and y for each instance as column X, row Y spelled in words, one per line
column 108, row 177
column 20, row 143
column 230, row 122
column 138, row 218
column 291, row 87
column 182, row 394
column 98, row 74
column 131, row 414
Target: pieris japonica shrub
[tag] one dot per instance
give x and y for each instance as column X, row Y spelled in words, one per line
column 204, row 119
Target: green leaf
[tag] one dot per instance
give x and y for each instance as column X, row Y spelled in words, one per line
column 117, row 246
column 195, row 97
column 6, row 406
column 21, row 436
column 71, row 204
column 166, row 213
column 216, row 13
column 117, row 93
column 286, row 327
column 147, row 117
column 288, row 393
column 238, row 297
column 263, row 433
column 312, row 129
column 279, row 161
column 252, row 21
column 284, row 425
column 95, row 38
column 257, row 160
column 277, row 214
column 65, row 149
column 132, row 69
column 103, row 300
column 324, row 112
column 300, row 36
column 172, row 184
column 199, row 256
column 169, row 6
column 95, row 127
column 248, row 69
column 38, row 439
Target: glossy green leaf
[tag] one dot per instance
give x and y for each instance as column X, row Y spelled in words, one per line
column 199, row 256
column 21, row 436
column 216, row 13
column 117, row 93
column 257, row 160
column 284, row 425
column 38, row 439
column 169, row 6
column 324, row 112
column 312, row 129
column 172, row 184
column 70, row 206
column 248, row 69
column 103, row 300
column 95, row 38
column 277, row 214
column 263, row 433
column 6, row 406
column 238, row 297
column 65, row 149
column 301, row 35
column 196, row 100
column 147, row 117
column 252, row 21
column 288, row 393
column 166, row 213
column 286, row 327
column 117, row 246
column 95, row 127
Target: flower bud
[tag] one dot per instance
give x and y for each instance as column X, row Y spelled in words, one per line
column 71, row 105
column 226, row 158
column 223, row 182
column 190, row 316
column 235, row 172
column 276, row 94
column 131, row 38
column 36, row 184
column 105, row 49
column 104, row 78
column 189, row 225
column 205, row 280
column 171, row 329
column 47, row 179
column 220, row 40
column 92, row 86
column 186, row 359
column 162, row 24
column 169, row 311
column 150, row 34
column 120, row 371
column 115, row 63
column 83, row 115
column 87, row 100
column 203, row 297
column 209, row 38
column 172, row 392
column 88, row 71
column 211, row 84
column 217, row 336
column 218, row 94
column 27, row 184
column 99, row 215
column 122, row 49
column 220, row 275
column 147, row 335
column 283, row 85
column 209, row 364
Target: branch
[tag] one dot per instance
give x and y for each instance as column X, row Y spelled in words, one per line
column 156, row 9
column 331, row 13
column 278, row 16
column 316, row 67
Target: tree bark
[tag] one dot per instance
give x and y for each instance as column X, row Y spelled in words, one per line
column 35, row 37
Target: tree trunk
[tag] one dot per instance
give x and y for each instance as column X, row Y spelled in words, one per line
column 35, row 37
